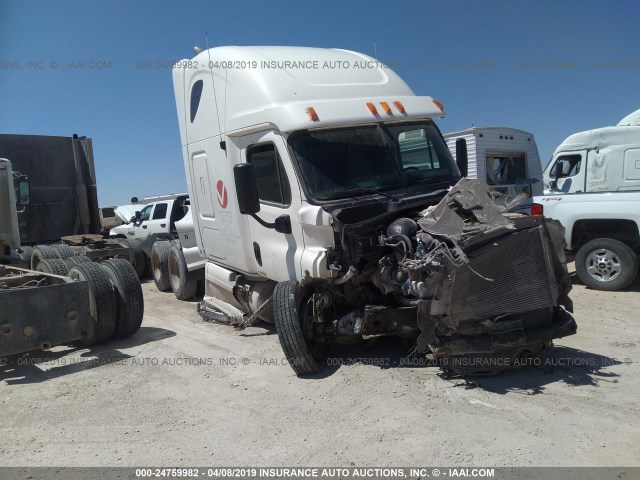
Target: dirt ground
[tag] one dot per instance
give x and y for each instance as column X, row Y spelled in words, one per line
column 183, row 392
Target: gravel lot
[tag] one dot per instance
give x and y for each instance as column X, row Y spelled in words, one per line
column 184, row 392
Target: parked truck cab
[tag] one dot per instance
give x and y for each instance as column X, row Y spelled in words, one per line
column 308, row 170
column 592, row 186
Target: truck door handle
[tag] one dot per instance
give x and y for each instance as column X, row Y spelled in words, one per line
column 144, row 226
column 163, row 225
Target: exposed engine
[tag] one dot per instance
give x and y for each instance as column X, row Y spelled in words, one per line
column 463, row 277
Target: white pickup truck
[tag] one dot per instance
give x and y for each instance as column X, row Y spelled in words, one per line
column 165, row 232
column 592, row 186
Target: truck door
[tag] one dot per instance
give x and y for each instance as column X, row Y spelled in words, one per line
column 277, row 255
column 572, row 177
column 159, row 220
column 139, row 228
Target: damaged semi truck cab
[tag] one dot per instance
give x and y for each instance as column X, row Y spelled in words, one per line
column 322, row 201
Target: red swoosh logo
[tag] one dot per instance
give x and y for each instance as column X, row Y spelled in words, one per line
column 222, row 194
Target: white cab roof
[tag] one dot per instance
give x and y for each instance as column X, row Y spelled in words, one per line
column 601, row 137
column 258, row 85
column 631, row 119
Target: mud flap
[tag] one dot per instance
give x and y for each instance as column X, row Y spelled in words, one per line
column 41, row 317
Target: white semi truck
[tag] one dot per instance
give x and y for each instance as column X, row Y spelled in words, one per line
column 592, row 186
column 324, row 201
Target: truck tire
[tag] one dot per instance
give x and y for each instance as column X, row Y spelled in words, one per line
column 42, row 252
column 160, row 264
column 606, row 264
column 24, row 254
column 62, row 250
column 290, row 314
column 75, row 260
column 128, row 294
column 183, row 283
column 53, row 265
column 101, row 298
column 139, row 256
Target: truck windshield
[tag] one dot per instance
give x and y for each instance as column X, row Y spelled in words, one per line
column 356, row 161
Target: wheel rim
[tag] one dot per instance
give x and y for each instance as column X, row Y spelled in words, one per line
column 155, row 263
column 603, row 265
column 174, row 273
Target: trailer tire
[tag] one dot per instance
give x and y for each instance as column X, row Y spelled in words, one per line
column 160, row 264
column 101, row 298
column 62, row 250
column 183, row 283
column 53, row 265
column 606, row 264
column 139, row 256
column 24, row 254
column 42, row 252
column 289, row 312
column 75, row 260
column 128, row 294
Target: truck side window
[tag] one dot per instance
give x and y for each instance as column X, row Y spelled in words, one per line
column 570, row 165
column 196, row 94
column 160, row 212
column 145, row 213
column 273, row 186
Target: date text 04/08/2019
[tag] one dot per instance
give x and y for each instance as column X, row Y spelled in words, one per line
column 310, row 472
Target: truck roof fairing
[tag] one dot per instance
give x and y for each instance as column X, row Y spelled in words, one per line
column 601, row 137
column 276, row 85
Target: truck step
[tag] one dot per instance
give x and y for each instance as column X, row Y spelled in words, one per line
column 213, row 310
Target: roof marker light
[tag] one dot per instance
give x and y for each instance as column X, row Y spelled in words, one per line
column 313, row 116
column 372, row 108
column 385, row 106
column 438, row 104
column 399, row 106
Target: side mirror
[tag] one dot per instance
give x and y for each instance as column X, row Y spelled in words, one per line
column 462, row 159
column 137, row 215
column 248, row 201
column 246, row 189
column 558, row 170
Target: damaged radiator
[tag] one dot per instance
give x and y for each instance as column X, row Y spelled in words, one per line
column 520, row 282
